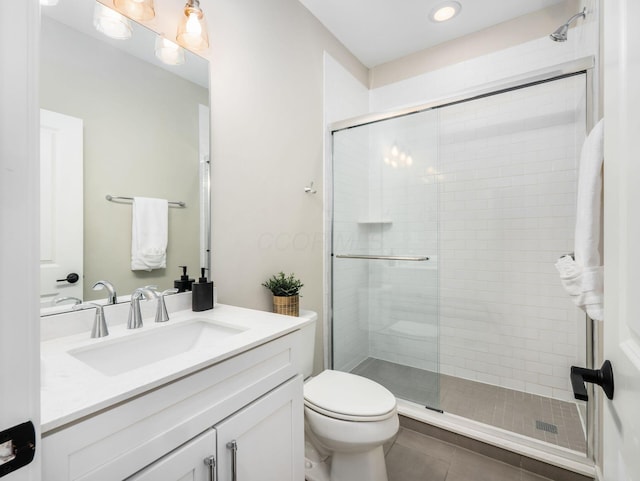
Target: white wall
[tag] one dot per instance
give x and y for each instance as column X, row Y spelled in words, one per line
column 267, row 61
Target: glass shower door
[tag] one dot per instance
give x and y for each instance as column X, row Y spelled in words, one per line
column 385, row 266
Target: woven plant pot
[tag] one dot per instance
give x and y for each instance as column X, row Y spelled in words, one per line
column 289, row 305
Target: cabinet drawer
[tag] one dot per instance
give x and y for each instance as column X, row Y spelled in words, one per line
column 123, row 439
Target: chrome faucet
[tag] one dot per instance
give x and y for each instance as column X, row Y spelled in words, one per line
column 99, row 322
column 135, row 316
column 113, row 297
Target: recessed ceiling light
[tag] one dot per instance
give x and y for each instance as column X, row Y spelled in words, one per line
column 444, row 11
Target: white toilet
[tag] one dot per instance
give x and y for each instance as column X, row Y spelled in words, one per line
column 348, row 418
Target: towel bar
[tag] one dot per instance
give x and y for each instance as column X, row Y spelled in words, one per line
column 111, row 198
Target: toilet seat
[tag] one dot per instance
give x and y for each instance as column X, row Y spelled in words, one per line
column 349, row 397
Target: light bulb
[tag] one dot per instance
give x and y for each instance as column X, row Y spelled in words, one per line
column 394, row 151
column 49, row 3
column 409, row 160
column 193, row 25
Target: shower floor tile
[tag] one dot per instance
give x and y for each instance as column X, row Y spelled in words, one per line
column 508, row 409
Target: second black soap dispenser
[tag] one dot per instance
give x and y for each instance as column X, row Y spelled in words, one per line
column 184, row 283
column 202, row 294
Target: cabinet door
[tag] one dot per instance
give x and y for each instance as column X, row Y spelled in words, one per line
column 187, row 463
column 268, row 436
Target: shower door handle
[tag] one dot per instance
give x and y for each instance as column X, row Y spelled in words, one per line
column 603, row 377
column 386, row 258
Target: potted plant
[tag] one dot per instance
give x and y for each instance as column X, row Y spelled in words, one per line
column 286, row 293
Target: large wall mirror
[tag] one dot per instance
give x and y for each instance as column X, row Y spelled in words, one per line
column 116, row 120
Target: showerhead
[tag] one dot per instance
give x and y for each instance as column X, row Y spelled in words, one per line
column 560, row 35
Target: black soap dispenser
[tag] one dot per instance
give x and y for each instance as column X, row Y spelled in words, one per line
column 184, row 283
column 202, row 294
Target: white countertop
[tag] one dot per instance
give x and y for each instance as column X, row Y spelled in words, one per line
column 71, row 389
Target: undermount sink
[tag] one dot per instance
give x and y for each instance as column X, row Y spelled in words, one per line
column 117, row 356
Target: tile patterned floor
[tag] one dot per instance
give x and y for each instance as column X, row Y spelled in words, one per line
column 416, row 457
column 504, row 408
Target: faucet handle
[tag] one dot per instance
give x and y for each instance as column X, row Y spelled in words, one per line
column 162, row 315
column 99, row 322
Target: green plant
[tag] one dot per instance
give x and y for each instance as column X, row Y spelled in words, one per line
column 281, row 285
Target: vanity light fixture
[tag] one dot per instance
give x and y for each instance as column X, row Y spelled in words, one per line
column 169, row 52
column 111, row 23
column 49, row 3
column 192, row 29
column 444, row 11
column 136, row 9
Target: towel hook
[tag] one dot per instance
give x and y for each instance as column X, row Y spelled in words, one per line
column 309, row 189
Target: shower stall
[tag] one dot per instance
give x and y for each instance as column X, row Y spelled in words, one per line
column 447, row 221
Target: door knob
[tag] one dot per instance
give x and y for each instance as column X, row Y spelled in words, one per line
column 603, row 377
column 71, row 278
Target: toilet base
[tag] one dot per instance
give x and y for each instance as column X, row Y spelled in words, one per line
column 367, row 466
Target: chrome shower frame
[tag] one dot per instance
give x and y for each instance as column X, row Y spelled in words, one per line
column 586, row 66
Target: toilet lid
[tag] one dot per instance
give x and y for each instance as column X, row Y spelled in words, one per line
column 347, row 396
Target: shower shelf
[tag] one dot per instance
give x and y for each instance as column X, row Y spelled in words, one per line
column 374, row 221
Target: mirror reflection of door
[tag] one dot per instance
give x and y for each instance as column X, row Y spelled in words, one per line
column 61, row 224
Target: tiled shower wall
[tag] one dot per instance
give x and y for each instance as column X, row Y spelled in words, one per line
column 508, row 167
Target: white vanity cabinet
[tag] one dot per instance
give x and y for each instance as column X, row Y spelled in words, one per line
column 253, row 398
column 263, row 438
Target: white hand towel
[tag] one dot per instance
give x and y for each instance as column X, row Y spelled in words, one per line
column 149, row 234
column 583, row 277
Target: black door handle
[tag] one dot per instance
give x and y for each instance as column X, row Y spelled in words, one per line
column 20, row 441
column 603, row 377
column 71, row 278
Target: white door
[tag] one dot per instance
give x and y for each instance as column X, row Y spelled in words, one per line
column 61, row 263
column 19, row 313
column 266, row 438
column 621, row 439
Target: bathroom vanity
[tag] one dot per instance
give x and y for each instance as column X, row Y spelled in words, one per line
column 201, row 397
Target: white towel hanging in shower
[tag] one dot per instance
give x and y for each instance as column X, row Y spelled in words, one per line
column 583, row 277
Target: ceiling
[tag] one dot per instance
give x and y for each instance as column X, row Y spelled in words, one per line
column 378, row 31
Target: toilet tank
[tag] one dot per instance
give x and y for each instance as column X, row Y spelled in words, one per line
column 308, row 343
